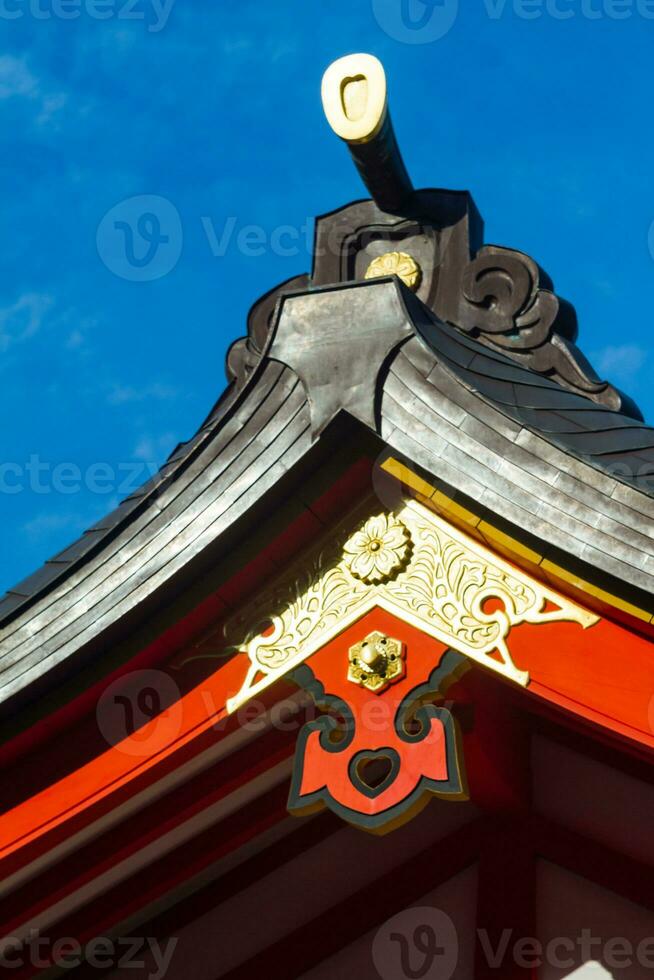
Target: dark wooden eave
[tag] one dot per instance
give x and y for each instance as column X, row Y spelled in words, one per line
column 552, row 464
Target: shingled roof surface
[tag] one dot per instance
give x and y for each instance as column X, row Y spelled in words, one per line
column 553, row 462
column 618, row 444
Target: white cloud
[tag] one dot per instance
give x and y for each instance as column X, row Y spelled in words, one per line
column 151, row 449
column 44, row 525
column 17, row 80
column 125, row 394
column 23, row 319
column 621, row 363
column 73, row 328
column 50, row 105
column 75, row 340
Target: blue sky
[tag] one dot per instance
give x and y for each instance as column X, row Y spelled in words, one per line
column 541, row 109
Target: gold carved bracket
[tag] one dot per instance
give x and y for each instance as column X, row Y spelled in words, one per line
column 410, row 563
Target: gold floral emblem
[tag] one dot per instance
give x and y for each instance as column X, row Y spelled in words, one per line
column 376, row 662
column 379, row 550
column 396, row 264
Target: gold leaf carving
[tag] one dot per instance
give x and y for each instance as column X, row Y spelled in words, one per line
column 431, row 575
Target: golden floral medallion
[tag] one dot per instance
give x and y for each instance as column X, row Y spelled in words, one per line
column 396, row 264
column 379, row 550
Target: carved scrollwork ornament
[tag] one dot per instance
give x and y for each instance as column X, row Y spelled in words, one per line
column 432, row 576
column 503, row 305
column 503, row 299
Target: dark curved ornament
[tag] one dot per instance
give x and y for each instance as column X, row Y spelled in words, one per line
column 503, row 305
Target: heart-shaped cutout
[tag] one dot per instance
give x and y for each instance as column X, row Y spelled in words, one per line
column 373, row 772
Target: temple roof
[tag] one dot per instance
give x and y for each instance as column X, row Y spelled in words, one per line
column 410, row 337
column 551, row 463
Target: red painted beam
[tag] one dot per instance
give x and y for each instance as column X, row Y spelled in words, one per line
column 156, row 819
column 99, row 917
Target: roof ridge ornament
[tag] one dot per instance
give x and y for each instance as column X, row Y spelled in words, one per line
column 433, row 241
column 355, row 100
